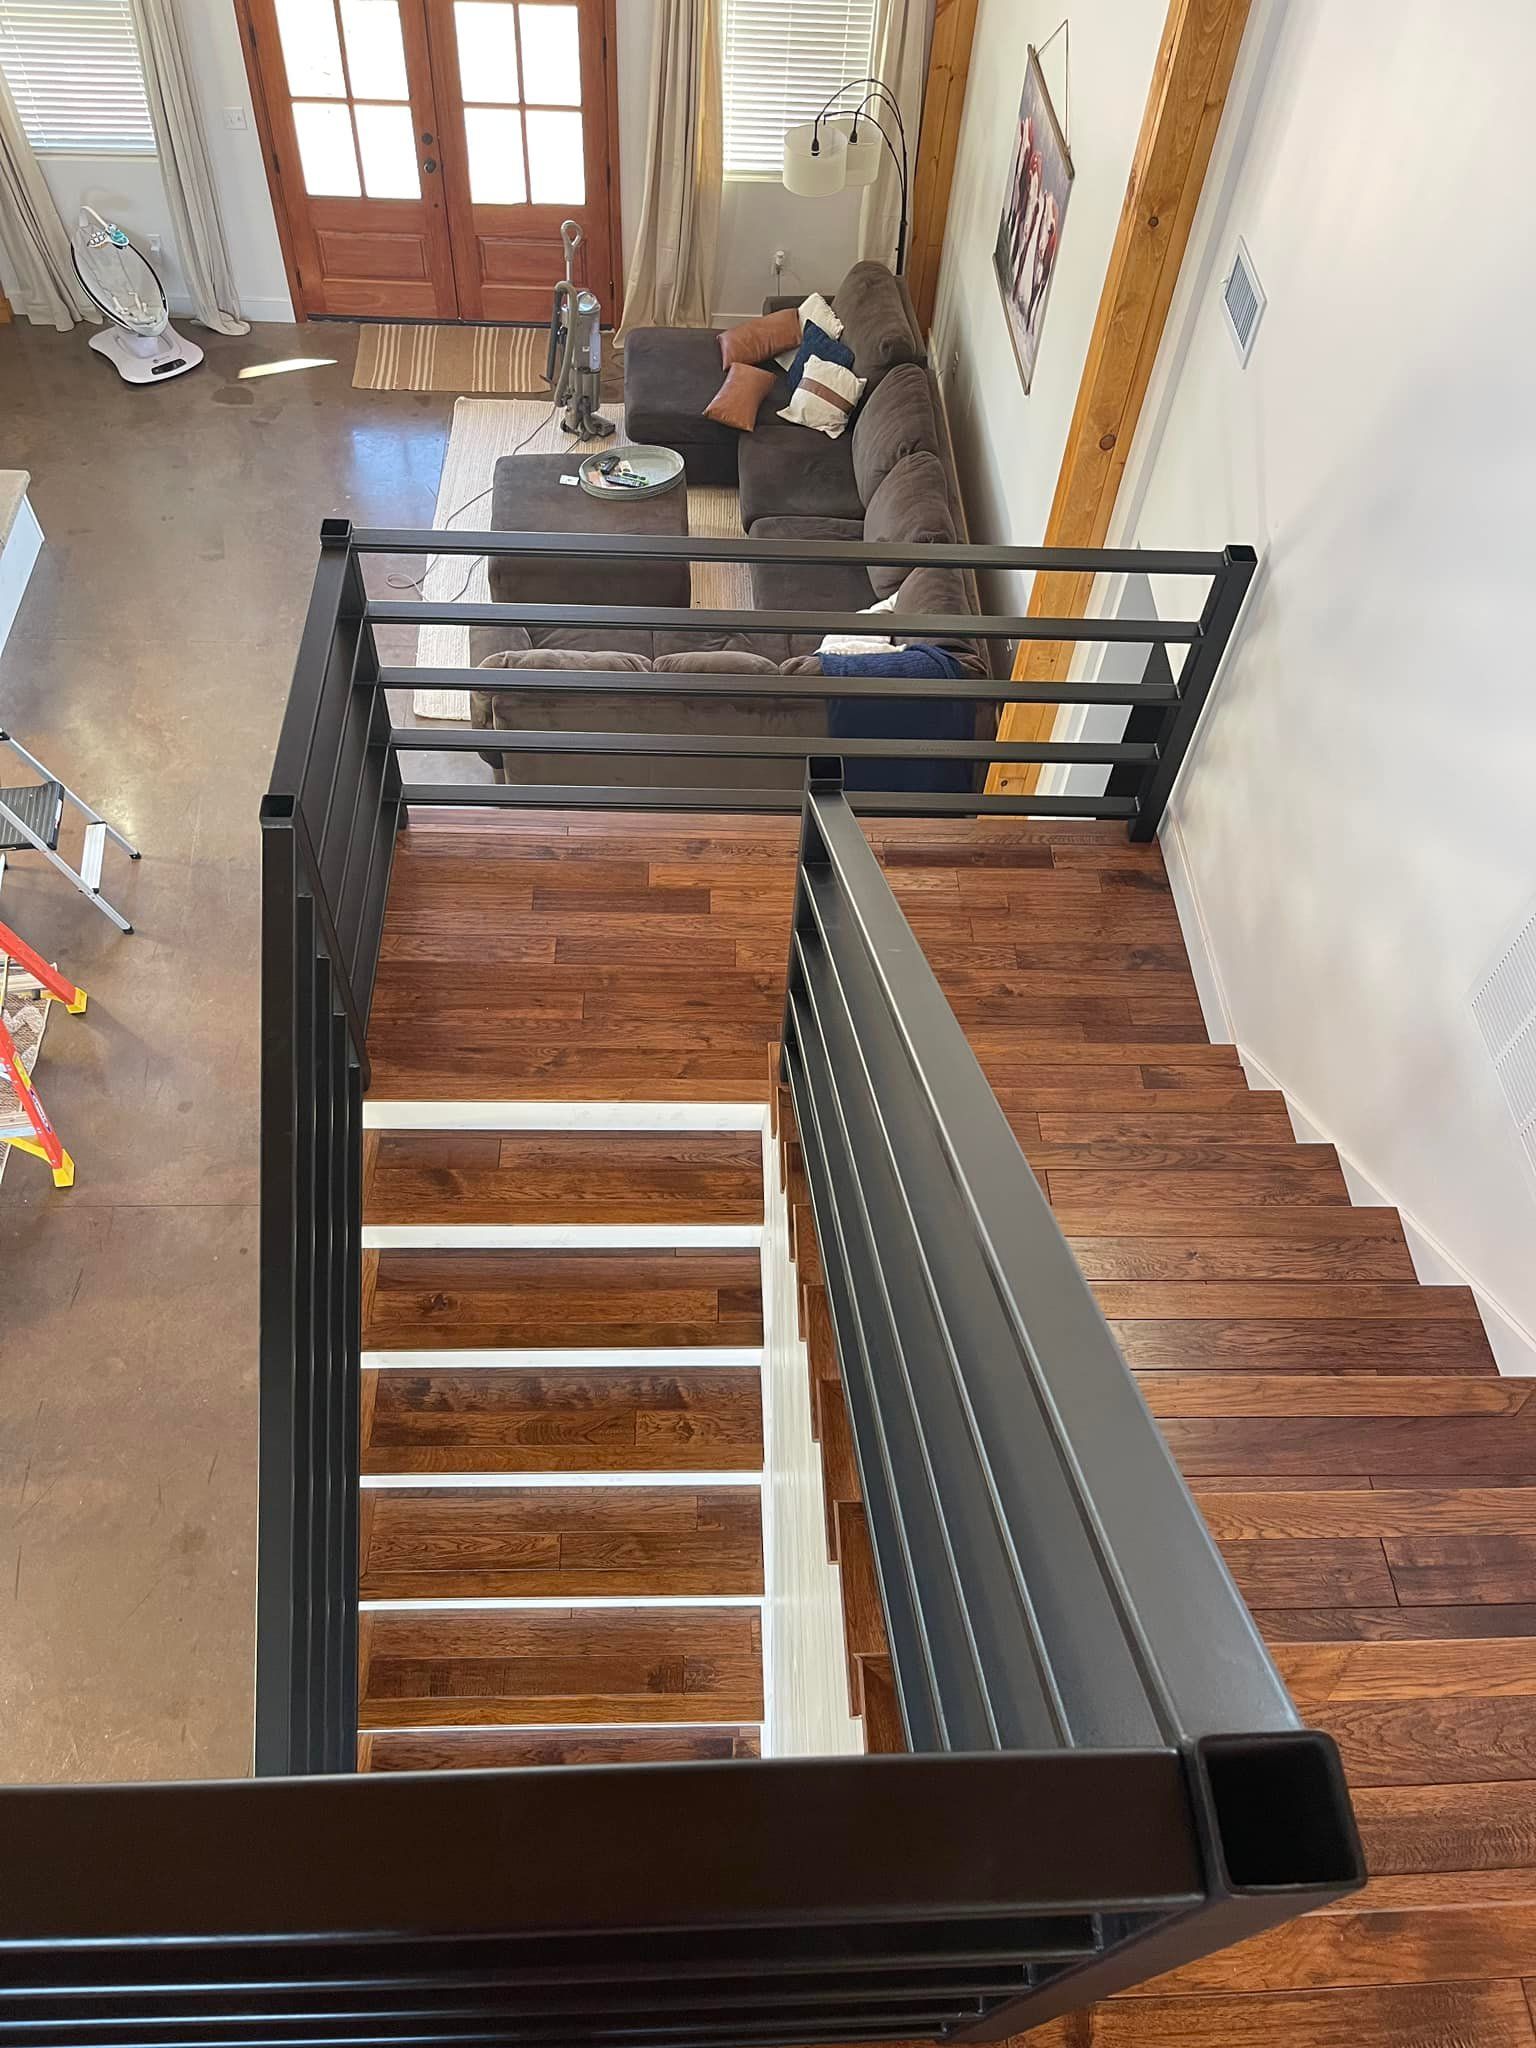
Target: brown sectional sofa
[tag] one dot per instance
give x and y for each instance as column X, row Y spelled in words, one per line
column 891, row 477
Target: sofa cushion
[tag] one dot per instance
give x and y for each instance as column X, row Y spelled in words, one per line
column 790, row 470
column 670, row 375
column 809, row 586
column 643, row 711
column 911, row 506
column 896, row 420
column 940, row 591
column 876, row 323
column 715, row 661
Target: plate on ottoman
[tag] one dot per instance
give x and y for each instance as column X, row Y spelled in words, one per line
column 662, row 469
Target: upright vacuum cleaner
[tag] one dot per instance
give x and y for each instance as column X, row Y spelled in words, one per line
column 574, row 363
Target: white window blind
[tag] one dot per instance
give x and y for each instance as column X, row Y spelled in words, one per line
column 74, row 72
column 781, row 60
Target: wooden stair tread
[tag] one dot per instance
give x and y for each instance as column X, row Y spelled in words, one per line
column 574, row 1419
column 505, row 1749
column 538, row 1299
column 579, row 1176
column 557, row 1541
column 594, row 1665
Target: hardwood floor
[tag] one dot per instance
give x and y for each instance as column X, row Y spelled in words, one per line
column 1370, row 1478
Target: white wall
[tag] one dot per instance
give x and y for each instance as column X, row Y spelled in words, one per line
column 1357, row 815
column 1008, row 443
column 128, row 189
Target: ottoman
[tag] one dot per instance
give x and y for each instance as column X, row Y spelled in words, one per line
column 670, row 375
column 528, row 497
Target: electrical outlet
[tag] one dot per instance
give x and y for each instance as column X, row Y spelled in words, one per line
column 780, row 259
column 156, row 247
column 234, row 117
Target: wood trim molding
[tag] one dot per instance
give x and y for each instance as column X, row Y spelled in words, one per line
column 5, row 309
column 949, row 64
column 1190, row 82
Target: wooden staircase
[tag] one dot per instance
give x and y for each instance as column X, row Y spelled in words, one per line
column 544, row 1579
column 1367, row 1473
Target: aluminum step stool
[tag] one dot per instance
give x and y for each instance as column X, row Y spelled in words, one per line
column 30, row 817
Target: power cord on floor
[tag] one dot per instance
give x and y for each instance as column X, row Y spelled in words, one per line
column 418, row 583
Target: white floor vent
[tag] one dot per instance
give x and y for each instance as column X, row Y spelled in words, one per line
column 1243, row 301
column 1504, row 1005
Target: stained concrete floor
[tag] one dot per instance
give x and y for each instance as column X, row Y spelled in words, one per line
column 148, row 668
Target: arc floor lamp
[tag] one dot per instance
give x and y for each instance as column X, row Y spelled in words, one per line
column 840, row 149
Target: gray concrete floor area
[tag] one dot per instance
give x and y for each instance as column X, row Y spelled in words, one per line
column 148, row 668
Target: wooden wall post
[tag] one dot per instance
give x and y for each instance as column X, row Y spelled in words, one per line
column 1184, row 106
column 949, row 63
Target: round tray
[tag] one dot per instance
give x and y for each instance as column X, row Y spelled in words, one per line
column 661, row 467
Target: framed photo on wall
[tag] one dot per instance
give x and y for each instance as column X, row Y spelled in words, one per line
column 1034, row 208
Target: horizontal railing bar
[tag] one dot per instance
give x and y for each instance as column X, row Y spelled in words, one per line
column 625, row 547
column 882, row 802
column 844, row 1838
column 464, row 739
column 696, row 683
column 667, row 618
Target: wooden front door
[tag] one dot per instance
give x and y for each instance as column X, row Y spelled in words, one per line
column 347, row 86
column 522, row 92
column 424, row 153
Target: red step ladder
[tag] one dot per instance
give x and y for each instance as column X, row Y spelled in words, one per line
column 25, row 1123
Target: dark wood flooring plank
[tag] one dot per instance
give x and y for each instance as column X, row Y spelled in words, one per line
column 1324, row 1951
column 1470, row 2015
column 582, row 1666
column 1419, row 1742
column 535, row 1299
column 1363, row 1344
column 567, row 1177
column 1460, row 1570
column 575, row 1419
column 1484, row 1448
column 507, row 1749
column 1448, row 1827
column 561, row 1542
column 1378, row 1512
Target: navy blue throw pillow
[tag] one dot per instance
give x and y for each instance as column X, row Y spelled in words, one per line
column 815, row 341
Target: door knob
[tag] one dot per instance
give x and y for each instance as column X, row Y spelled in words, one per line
column 430, row 164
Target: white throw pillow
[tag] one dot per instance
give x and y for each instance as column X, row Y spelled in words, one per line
column 861, row 643
column 816, row 308
column 824, row 398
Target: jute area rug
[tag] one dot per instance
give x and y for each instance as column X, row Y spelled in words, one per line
column 484, row 429
column 428, row 358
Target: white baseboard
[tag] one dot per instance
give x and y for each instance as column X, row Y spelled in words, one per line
column 23, row 545
column 1512, row 1344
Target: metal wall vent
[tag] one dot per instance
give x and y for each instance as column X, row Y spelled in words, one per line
column 1243, row 301
column 1504, row 1005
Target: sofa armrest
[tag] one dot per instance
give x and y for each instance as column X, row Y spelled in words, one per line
column 777, row 303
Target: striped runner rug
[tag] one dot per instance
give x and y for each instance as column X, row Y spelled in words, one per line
column 435, row 358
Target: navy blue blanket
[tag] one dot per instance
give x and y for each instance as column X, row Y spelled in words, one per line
column 902, row 718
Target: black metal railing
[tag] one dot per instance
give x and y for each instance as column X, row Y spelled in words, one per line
column 328, row 836
column 1105, row 1777
column 1165, row 705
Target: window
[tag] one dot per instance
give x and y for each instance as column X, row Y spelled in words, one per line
column 781, row 61
column 74, row 72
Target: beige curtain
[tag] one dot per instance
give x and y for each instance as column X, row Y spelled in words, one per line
column 672, row 272
column 185, row 170
column 34, row 246
column 899, row 58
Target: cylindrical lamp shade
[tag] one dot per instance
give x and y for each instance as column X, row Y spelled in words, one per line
column 814, row 176
column 863, row 155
